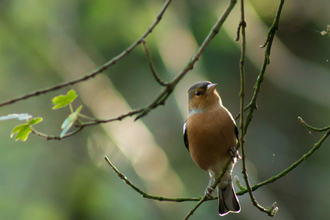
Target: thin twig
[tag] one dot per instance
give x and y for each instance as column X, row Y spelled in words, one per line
column 290, row 168
column 311, row 127
column 214, row 185
column 98, row 70
column 157, row 78
column 162, row 97
column 242, row 26
column 239, row 193
column 160, row 100
column 81, row 125
column 239, row 114
column 274, row 27
column 141, row 192
column 272, row 211
column 118, row 118
column 53, row 137
column 238, row 31
column 270, row 38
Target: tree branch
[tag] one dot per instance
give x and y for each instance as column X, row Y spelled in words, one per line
column 214, row 185
column 252, row 105
column 313, row 128
column 239, row 193
column 161, row 82
column 290, row 168
column 241, row 27
column 160, row 100
column 81, row 125
column 269, row 41
column 98, row 70
column 141, row 192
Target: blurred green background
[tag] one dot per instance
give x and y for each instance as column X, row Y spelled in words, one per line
column 43, row 43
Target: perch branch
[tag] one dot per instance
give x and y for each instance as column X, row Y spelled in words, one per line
column 141, row 192
column 214, row 185
column 242, row 27
column 239, row 193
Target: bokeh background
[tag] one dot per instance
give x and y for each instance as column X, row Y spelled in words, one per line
column 43, row 43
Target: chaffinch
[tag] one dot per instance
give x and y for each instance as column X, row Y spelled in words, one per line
column 210, row 135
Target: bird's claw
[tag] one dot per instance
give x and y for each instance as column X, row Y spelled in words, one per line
column 209, row 192
column 234, row 153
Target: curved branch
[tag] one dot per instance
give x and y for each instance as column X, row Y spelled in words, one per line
column 160, row 100
column 241, row 28
column 98, row 70
column 290, row 168
column 141, row 192
column 239, row 193
column 311, row 127
column 206, row 197
column 269, row 41
column 81, row 125
column 153, row 71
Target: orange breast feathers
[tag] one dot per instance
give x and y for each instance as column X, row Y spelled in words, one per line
column 210, row 135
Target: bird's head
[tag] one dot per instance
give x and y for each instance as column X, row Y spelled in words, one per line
column 203, row 95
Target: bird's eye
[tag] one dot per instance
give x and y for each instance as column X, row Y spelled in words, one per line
column 198, row 93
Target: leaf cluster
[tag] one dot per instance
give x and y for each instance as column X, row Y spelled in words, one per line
column 22, row 131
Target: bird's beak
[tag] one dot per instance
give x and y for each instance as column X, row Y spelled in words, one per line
column 211, row 87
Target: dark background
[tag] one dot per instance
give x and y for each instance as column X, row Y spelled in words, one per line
column 43, row 43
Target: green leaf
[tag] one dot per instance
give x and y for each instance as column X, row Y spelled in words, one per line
column 22, row 131
column 22, row 116
column 34, row 121
column 63, row 100
column 69, row 121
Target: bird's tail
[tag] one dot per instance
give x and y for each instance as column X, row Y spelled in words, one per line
column 228, row 201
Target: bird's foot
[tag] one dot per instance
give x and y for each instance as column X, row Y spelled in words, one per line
column 234, row 153
column 209, row 192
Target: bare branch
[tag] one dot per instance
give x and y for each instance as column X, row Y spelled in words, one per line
column 239, row 114
column 271, row 34
column 160, row 100
column 272, row 210
column 52, row 137
column 290, row 168
column 313, row 128
column 239, row 193
column 161, row 82
column 252, row 105
column 141, row 192
column 98, row 70
column 241, row 27
column 206, row 197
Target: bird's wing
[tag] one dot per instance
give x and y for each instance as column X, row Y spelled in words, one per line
column 236, row 131
column 185, row 138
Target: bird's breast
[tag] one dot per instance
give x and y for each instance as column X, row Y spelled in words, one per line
column 210, row 136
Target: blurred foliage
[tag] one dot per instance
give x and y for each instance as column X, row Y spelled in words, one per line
column 39, row 46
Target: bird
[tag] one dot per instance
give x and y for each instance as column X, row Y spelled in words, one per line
column 211, row 136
